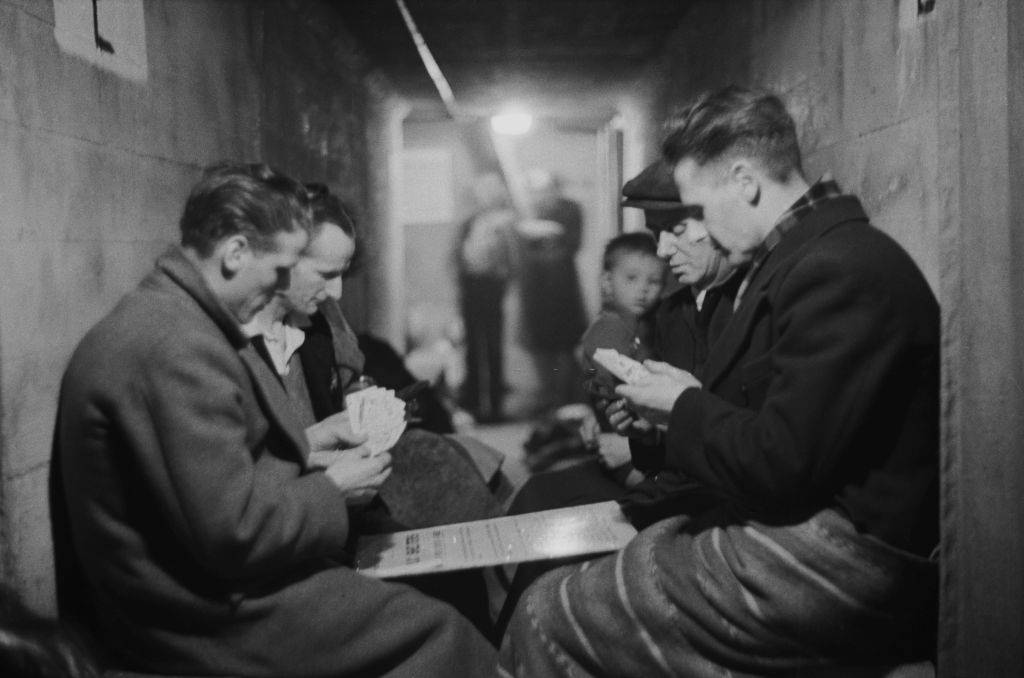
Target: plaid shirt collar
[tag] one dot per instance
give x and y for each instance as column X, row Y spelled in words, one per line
column 822, row 191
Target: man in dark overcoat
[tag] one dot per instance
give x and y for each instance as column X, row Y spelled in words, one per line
column 207, row 541
column 694, row 308
column 815, row 420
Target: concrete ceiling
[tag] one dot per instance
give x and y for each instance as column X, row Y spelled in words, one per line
column 535, row 50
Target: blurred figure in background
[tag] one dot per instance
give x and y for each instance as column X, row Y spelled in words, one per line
column 484, row 256
column 553, row 316
column 437, row 354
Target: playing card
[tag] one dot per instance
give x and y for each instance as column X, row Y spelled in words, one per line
column 623, row 367
column 354, row 406
column 379, row 414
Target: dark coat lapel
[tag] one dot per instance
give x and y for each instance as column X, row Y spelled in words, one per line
column 320, row 368
column 274, row 399
column 331, row 359
column 183, row 272
column 675, row 334
column 683, row 303
column 736, row 336
column 347, row 354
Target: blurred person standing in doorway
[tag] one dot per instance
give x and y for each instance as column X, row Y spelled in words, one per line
column 484, row 256
column 553, row 316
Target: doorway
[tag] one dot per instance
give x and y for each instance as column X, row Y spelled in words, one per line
column 440, row 160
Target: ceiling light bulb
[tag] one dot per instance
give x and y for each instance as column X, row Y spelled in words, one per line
column 512, row 122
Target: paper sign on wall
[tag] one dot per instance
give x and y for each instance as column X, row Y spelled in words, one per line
column 108, row 33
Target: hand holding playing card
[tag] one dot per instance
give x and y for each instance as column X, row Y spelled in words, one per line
column 333, row 433
column 358, row 473
column 653, row 397
column 628, row 423
column 613, row 451
column 377, row 413
column 623, row 367
column 624, row 420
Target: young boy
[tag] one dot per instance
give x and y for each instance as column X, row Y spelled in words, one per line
column 631, row 282
column 632, row 278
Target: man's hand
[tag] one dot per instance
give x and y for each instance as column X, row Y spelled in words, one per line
column 590, row 432
column 333, row 433
column 627, row 423
column 613, row 451
column 654, row 397
column 356, row 473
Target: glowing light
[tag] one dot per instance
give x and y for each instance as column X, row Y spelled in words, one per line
column 512, row 122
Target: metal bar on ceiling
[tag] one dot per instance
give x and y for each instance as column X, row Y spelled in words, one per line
column 433, row 70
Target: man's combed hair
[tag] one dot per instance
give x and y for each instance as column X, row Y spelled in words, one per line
column 735, row 121
column 253, row 200
column 634, row 242
column 327, row 208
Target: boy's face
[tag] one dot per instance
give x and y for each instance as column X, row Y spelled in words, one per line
column 634, row 282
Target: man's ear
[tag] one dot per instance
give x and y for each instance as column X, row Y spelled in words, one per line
column 746, row 180
column 234, row 251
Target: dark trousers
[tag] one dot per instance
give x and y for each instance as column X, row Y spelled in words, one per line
column 483, row 390
column 559, row 380
column 586, row 483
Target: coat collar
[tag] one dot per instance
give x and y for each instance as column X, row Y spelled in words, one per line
column 678, row 309
column 817, row 222
column 271, row 394
column 836, row 211
column 176, row 265
column 344, row 340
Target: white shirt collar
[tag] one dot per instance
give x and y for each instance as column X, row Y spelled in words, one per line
column 282, row 339
column 699, row 297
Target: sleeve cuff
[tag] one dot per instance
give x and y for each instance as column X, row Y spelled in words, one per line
column 621, row 473
column 685, row 429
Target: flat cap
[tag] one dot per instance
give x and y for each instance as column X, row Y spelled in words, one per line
column 652, row 189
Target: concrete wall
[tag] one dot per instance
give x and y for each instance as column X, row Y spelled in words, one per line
column 981, row 249
column 95, row 171
column 920, row 116
column 861, row 79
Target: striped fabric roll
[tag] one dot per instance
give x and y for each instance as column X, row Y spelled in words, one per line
column 715, row 597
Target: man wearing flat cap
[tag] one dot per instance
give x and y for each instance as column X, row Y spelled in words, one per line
column 690, row 314
column 694, row 308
